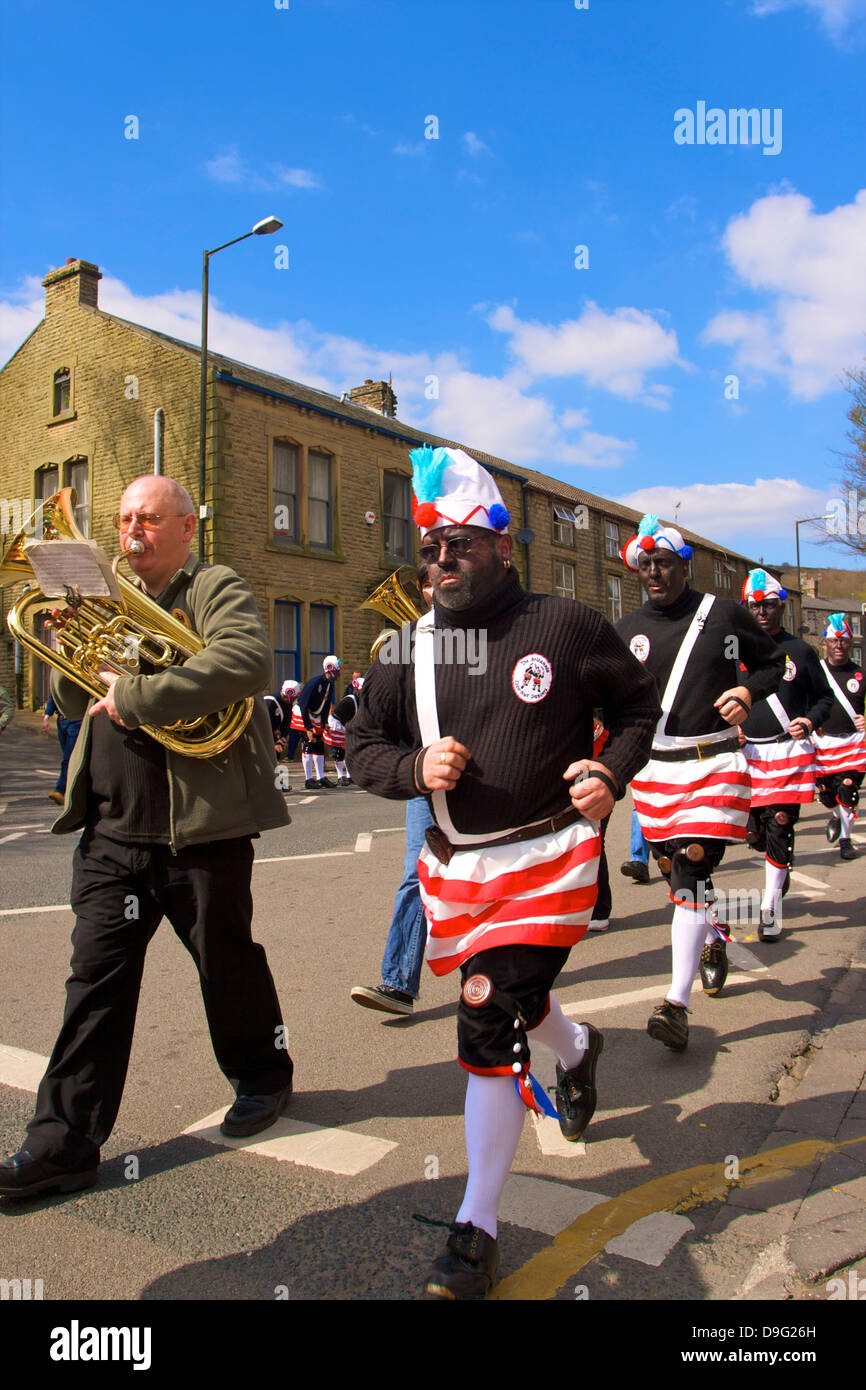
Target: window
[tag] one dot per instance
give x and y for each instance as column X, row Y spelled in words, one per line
column 611, row 539
column 563, row 525
column 287, row 642
column 321, row 636
column 614, row 598
column 285, row 492
column 47, row 483
column 856, row 621
column 564, row 576
column 61, row 396
column 319, row 478
column 397, row 508
column 717, row 573
column 78, row 478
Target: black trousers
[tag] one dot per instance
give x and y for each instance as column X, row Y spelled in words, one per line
column 120, row 894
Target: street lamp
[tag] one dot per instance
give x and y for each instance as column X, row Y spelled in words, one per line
column 263, row 228
column 797, row 525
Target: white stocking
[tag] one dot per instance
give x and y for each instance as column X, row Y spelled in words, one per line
column 847, row 819
column 774, row 879
column 340, row 765
column 494, row 1120
column 688, row 934
column 563, row 1037
column 309, row 772
column 319, row 760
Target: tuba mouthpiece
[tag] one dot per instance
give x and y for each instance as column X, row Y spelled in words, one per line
column 135, row 548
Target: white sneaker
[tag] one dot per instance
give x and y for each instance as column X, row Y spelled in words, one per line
column 599, row 924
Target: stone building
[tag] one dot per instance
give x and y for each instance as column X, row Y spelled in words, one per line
column 308, row 495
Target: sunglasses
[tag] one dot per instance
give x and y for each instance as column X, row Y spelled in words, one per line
column 151, row 521
column 766, row 604
column 457, row 545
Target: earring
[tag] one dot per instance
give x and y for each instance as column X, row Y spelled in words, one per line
column 507, row 564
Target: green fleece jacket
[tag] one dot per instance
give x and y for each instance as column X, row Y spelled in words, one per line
column 215, row 798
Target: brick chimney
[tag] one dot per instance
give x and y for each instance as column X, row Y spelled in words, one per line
column 74, row 283
column 376, row 395
column 810, row 585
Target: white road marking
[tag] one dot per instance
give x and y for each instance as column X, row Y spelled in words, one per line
column 743, row 958
column 305, row 801
column 635, row 996
column 20, row 1069
column 551, row 1140
column 539, row 1205
column 294, row 1141
column 651, row 1239
column 325, row 854
column 18, row 911
column 16, row 835
column 810, row 882
column 363, row 842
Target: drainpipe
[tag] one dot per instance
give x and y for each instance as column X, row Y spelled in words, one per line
column 158, row 438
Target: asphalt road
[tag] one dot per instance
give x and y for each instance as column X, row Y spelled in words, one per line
column 191, row 1219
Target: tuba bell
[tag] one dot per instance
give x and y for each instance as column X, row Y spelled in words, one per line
column 107, row 632
column 398, row 598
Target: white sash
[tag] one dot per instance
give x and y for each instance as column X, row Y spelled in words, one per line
column 778, row 709
column 660, row 738
column 843, row 699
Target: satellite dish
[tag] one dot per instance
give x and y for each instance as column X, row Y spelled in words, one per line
column 525, row 537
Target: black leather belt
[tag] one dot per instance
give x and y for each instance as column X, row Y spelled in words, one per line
column 698, row 750
column 441, row 846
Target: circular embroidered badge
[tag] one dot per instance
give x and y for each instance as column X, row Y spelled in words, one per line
column 477, row 990
column 790, row 669
column 854, row 684
column 532, row 678
column 639, row 646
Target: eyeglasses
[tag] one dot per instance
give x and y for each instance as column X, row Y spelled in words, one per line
column 766, row 604
column 455, row 545
column 151, row 521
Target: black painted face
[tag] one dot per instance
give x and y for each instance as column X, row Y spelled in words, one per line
column 767, row 613
column 838, row 646
column 462, row 580
column 662, row 574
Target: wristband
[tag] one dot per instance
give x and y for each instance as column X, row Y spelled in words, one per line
column 419, row 781
column 608, row 782
column 741, row 703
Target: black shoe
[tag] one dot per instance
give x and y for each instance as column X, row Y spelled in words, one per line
column 768, row 928
column 468, row 1267
column 636, row 869
column 311, row 784
column 22, row 1175
column 846, row 851
column 714, row 967
column 576, row 1096
column 346, row 782
column 249, row 1114
column 669, row 1024
column 323, row 782
column 383, row 998
column 834, row 828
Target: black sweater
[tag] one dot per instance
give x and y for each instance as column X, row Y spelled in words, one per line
column 520, row 748
column 804, row 690
column 731, row 650
column 838, row 722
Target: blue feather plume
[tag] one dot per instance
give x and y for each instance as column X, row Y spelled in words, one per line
column 759, row 579
column 428, row 465
column 649, row 524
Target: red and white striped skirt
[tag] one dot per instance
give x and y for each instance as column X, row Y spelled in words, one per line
column 782, row 773
column 840, row 753
column 298, row 724
column 701, row 798
column 335, row 733
column 535, row 893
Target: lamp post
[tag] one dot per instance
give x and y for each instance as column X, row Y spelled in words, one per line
column 263, row 228
column 797, row 525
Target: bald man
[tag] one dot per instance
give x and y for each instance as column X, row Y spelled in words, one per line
column 163, row 835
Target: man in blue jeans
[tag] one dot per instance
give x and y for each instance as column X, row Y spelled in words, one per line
column 407, row 937
column 637, row 867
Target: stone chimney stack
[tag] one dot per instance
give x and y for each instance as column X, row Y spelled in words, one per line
column 376, row 395
column 810, row 585
column 74, row 283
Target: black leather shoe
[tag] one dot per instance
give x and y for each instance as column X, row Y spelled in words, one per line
column 833, row 828
column 311, row 784
column 576, row 1096
column 669, row 1024
column 714, row 967
column 636, row 869
column 768, row 928
column 22, row 1175
column 326, row 782
column 846, row 851
column 468, row 1267
column 249, row 1114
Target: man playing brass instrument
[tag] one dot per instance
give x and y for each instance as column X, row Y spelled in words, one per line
column 163, row 835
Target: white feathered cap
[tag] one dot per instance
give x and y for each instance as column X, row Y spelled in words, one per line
column 289, row 689
column 451, row 489
column 331, row 665
column 651, row 535
column 759, row 585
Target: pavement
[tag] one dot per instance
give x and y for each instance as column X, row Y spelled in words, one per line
column 735, row 1171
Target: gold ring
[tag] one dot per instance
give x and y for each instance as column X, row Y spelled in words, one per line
column 442, row 758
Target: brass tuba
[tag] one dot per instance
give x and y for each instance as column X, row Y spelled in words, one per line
column 399, row 598
column 106, row 632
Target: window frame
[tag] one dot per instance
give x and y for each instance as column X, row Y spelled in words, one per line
column 563, row 516
column 329, row 543
column 611, row 539
column 616, row 580
column 395, row 555
column 282, row 538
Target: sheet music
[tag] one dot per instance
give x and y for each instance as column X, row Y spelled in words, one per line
column 59, row 565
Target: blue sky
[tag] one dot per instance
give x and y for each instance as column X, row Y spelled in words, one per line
column 449, row 262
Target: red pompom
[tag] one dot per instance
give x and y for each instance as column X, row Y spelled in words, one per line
column 758, row 595
column 647, row 543
column 425, row 515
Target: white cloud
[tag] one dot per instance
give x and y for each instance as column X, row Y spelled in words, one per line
column 19, row 315
column 768, row 506
column 230, row 168
column 615, row 351
column 835, row 15
column 813, row 266
column 474, row 145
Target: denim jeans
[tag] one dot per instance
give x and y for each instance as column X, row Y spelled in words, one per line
column 407, row 937
column 67, row 733
column 639, row 848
